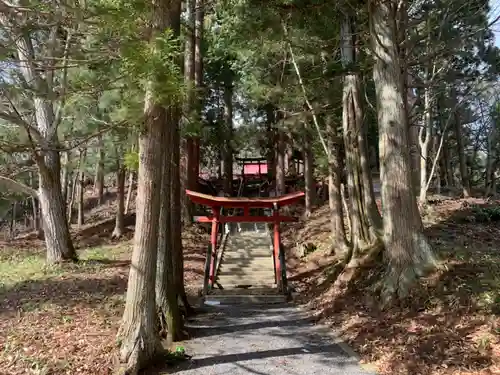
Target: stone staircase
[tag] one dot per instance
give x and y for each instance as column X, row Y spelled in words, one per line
column 246, row 269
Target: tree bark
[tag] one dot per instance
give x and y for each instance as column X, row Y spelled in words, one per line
column 280, row 164
column 365, row 220
column 227, row 156
column 188, row 153
column 490, row 161
column 198, row 45
column 140, row 342
column 120, row 209
column 55, row 226
column 58, row 241
column 464, row 175
column 139, row 339
column 99, row 174
column 407, row 249
column 171, row 322
column 129, row 192
column 81, row 190
column 37, row 227
column 310, row 191
column 424, row 139
column 176, row 225
column 73, row 191
column 339, row 240
column 271, row 141
column 13, row 220
column 198, row 77
column 65, row 174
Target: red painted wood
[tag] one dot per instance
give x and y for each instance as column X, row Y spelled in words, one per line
column 247, row 219
column 276, row 246
column 233, row 202
column 213, row 241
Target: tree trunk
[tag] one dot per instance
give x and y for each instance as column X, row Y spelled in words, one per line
column 99, row 174
column 494, row 182
column 65, row 174
column 81, row 190
column 166, row 290
column 491, row 147
column 364, row 217
column 490, row 161
column 436, row 154
column 464, row 175
column 198, row 78
column 424, row 139
column 280, row 164
column 120, row 210
column 271, row 140
column 176, row 225
column 188, row 151
column 310, row 193
column 339, row 240
column 73, row 191
column 129, row 192
column 446, row 164
column 37, row 227
column 140, row 342
column 55, row 226
column 407, row 249
column 177, row 255
column 198, row 45
column 12, row 220
column 57, row 239
column 227, row 156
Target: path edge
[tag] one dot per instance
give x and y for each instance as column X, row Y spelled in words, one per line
column 338, row 339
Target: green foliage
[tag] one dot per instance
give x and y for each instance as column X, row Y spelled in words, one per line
column 486, row 214
column 131, row 160
column 154, row 63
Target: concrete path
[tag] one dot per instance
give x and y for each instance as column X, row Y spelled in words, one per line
column 263, row 340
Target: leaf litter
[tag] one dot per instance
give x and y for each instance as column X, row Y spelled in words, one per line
column 64, row 319
column 449, row 325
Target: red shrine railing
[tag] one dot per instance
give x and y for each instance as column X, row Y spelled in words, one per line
column 217, row 203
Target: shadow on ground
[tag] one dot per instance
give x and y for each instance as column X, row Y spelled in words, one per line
column 277, row 339
column 65, row 290
column 450, row 323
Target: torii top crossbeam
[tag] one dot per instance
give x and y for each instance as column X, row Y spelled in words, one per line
column 241, row 202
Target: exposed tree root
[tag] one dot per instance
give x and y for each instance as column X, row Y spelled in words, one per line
column 404, row 273
column 395, row 285
column 186, row 309
column 117, row 233
column 138, row 351
column 355, row 262
column 166, row 334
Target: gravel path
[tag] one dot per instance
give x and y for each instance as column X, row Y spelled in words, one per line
column 263, row 340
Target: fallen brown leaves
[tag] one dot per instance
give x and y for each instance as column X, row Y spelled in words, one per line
column 449, row 325
column 64, row 320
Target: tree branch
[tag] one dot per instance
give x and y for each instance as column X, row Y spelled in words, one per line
column 18, row 187
column 304, row 92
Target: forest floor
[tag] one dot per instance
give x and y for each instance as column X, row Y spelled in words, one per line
column 451, row 322
column 63, row 319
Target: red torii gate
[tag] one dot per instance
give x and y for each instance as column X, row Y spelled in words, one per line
column 217, row 203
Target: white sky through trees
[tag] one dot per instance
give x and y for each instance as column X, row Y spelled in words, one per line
column 494, row 14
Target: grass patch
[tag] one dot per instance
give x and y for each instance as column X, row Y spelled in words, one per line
column 16, row 268
column 61, row 319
